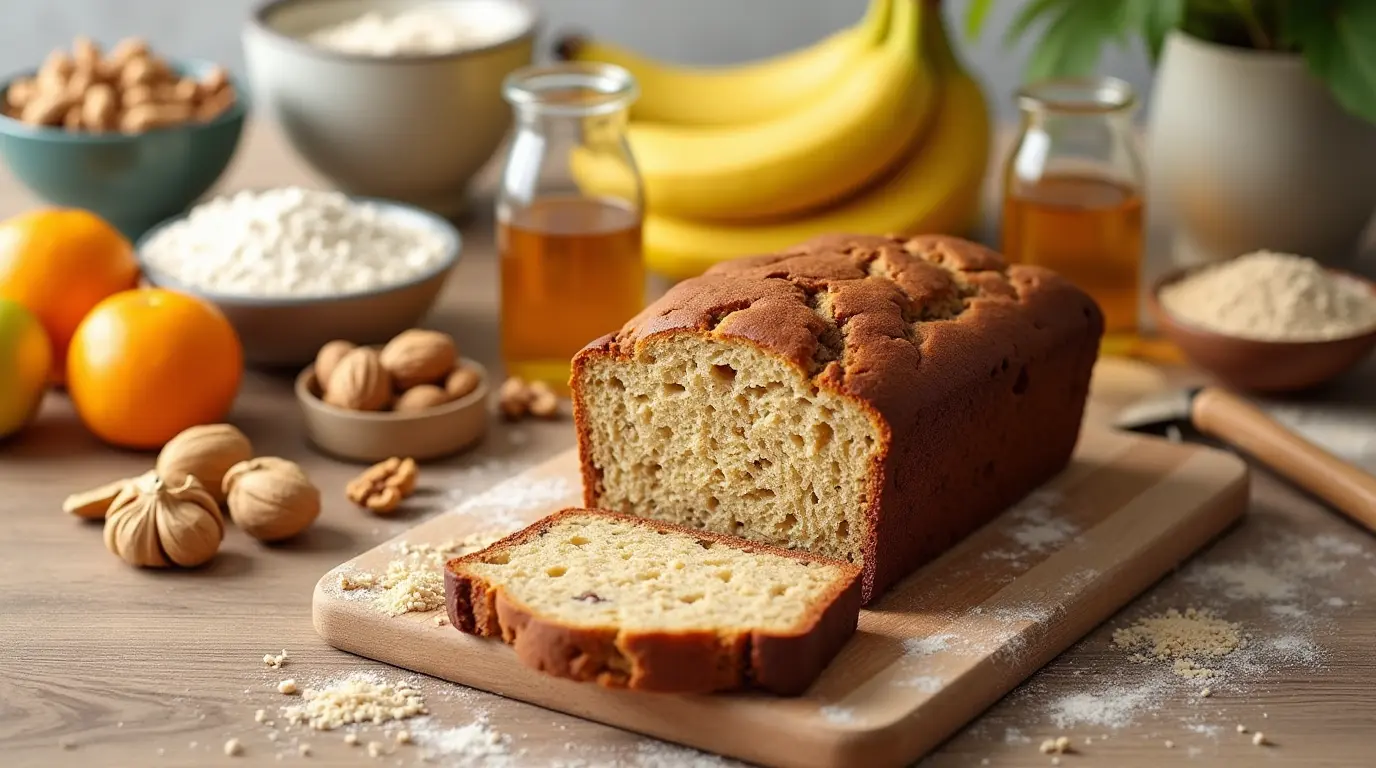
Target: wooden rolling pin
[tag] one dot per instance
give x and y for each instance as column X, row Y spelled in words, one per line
column 1232, row 420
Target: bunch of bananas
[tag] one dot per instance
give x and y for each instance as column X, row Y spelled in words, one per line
column 877, row 129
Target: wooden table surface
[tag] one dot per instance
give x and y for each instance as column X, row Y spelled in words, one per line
column 106, row 665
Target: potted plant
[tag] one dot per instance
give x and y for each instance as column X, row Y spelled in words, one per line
column 1262, row 129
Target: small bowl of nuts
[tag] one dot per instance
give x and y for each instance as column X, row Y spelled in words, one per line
column 129, row 135
column 414, row 396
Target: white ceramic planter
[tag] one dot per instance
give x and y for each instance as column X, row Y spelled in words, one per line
column 1247, row 150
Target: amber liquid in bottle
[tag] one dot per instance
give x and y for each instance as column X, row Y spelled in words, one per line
column 571, row 272
column 1087, row 229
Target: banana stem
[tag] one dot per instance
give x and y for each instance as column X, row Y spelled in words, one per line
column 876, row 21
column 905, row 28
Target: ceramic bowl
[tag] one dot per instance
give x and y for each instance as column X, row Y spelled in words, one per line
column 1260, row 366
column 131, row 180
column 288, row 332
column 411, row 128
column 368, row 436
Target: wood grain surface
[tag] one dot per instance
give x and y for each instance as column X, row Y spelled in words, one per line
column 136, row 668
column 938, row 649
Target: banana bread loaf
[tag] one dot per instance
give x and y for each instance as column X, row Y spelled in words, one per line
column 868, row 399
column 634, row 603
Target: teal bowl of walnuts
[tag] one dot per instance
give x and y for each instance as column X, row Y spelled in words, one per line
column 133, row 167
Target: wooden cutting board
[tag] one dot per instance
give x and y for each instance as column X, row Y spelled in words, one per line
column 929, row 657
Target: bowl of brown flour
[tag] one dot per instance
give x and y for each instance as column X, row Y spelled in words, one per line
column 1268, row 322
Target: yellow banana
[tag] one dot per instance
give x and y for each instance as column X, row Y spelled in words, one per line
column 801, row 161
column 936, row 190
column 744, row 93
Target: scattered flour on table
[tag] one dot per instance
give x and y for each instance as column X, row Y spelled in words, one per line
column 475, row 743
column 1113, row 706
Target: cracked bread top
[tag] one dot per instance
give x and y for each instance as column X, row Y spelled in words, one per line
column 897, row 323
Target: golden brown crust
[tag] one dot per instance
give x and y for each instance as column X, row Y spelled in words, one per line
column 670, row 661
column 971, row 369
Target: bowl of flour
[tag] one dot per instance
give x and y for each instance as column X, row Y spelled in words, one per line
column 294, row 268
column 399, row 99
column 1268, row 322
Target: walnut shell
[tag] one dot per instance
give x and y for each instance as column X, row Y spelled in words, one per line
column 271, row 498
column 419, row 398
column 359, row 382
column 418, row 357
column 205, row 452
column 155, row 525
column 95, row 503
column 461, row 382
column 327, row 359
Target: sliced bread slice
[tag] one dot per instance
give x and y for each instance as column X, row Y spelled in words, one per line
column 637, row 603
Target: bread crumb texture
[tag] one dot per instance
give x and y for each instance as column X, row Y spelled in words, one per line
column 590, row 571
column 355, row 699
column 753, row 400
column 1184, row 638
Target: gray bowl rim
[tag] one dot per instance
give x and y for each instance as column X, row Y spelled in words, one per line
column 258, row 22
column 237, row 112
column 442, row 225
column 308, row 399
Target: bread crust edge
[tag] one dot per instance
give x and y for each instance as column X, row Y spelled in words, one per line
column 660, row 661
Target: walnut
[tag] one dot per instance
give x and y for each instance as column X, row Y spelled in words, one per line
column 418, row 356
column 328, row 358
column 420, row 397
column 462, row 382
column 93, row 504
column 359, row 382
column 271, row 498
column 156, row 525
column 513, row 398
column 382, row 487
column 544, row 403
column 205, row 452
column 517, row 399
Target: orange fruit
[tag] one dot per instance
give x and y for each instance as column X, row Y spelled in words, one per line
column 60, row 262
column 146, row 364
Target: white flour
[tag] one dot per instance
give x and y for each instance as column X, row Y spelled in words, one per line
column 436, row 28
column 1114, row 706
column 1272, row 296
column 295, row 242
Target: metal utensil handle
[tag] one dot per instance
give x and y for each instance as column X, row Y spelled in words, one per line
column 1240, row 424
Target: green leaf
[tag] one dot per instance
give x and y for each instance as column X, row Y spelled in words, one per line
column 1335, row 39
column 1156, row 18
column 975, row 14
column 1074, row 39
column 1030, row 14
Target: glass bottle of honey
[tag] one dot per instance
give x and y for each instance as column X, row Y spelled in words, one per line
column 1073, row 195
column 571, row 267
